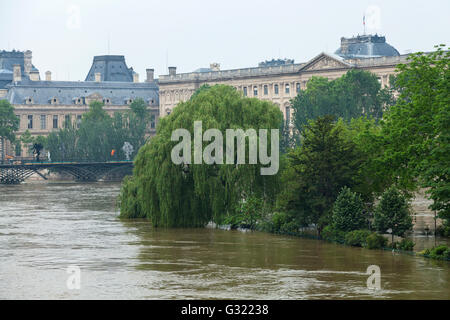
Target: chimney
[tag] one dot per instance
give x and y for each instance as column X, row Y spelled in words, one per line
column 172, row 71
column 150, row 74
column 135, row 77
column 27, row 61
column 17, row 73
column 48, row 76
column 98, row 77
column 214, row 66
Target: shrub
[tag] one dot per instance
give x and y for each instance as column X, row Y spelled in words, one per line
column 279, row 219
column 280, row 222
column 405, row 244
column 331, row 234
column 376, row 241
column 357, row 238
column 348, row 214
column 289, row 227
column 441, row 252
column 393, row 213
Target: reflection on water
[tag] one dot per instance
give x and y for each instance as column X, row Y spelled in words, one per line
column 44, row 228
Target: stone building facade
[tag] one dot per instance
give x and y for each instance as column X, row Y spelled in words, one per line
column 281, row 80
column 45, row 105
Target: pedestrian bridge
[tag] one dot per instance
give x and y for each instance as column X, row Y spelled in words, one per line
column 17, row 171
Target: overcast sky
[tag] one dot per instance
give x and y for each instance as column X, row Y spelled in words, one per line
column 64, row 35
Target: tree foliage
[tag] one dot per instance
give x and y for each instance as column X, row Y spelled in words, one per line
column 99, row 133
column 9, row 122
column 189, row 195
column 393, row 213
column 348, row 211
column 353, row 95
column 325, row 162
column 417, row 127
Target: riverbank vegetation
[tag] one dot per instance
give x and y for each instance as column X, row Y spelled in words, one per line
column 348, row 169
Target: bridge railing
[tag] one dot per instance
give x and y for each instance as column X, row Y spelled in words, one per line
column 32, row 160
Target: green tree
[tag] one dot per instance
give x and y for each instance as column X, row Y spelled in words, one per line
column 9, row 124
column 95, row 134
column 417, row 128
column 190, row 195
column 348, row 211
column 353, row 95
column 138, row 122
column 62, row 144
column 373, row 175
column 393, row 213
column 288, row 137
column 325, row 162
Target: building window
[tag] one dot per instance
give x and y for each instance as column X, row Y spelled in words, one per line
column 255, row 91
column 30, row 121
column 55, row 122
column 276, row 89
column 152, row 122
column 297, row 87
column 245, row 91
column 43, row 122
column 266, row 90
column 288, row 115
column 67, row 120
column 78, row 121
column 286, row 88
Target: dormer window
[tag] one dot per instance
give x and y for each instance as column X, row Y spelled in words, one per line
column 28, row 100
column 107, row 101
column 78, row 100
column 129, row 101
column 54, row 100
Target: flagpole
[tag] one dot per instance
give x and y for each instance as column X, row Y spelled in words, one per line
column 364, row 24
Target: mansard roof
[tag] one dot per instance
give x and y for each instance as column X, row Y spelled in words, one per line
column 366, row 46
column 111, row 68
column 67, row 91
column 7, row 61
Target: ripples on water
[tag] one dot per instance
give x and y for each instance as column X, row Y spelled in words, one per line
column 45, row 227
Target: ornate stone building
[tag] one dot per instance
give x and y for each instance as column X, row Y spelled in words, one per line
column 280, row 80
column 44, row 105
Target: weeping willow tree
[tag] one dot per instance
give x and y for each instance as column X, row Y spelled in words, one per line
column 190, row 195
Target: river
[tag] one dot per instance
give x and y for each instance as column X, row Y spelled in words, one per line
column 47, row 227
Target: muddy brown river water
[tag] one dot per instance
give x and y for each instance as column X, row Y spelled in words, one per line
column 47, row 227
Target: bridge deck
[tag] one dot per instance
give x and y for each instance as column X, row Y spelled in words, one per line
column 16, row 172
